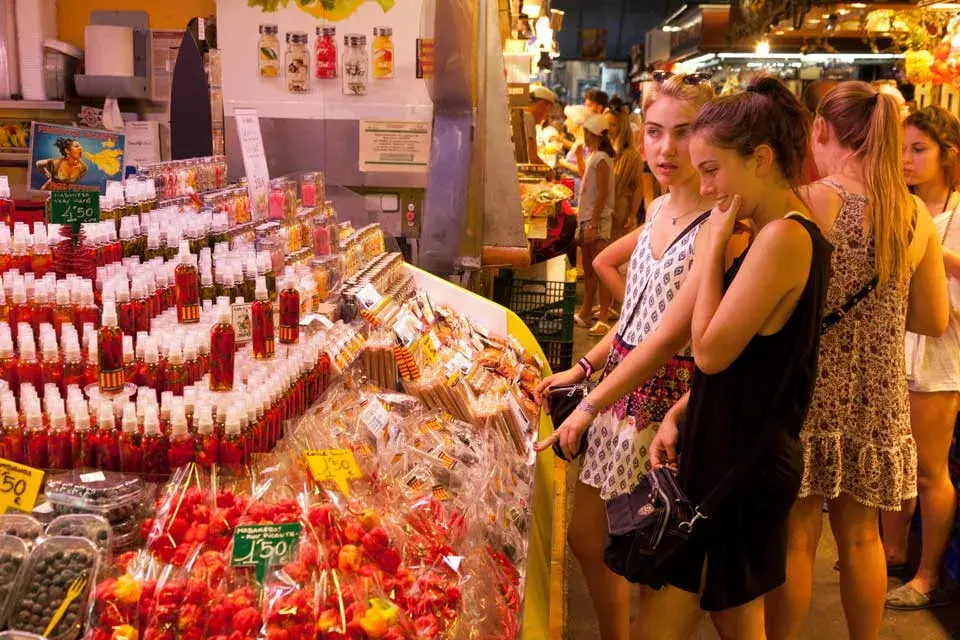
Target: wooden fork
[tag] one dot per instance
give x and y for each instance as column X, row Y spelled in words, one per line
column 76, row 588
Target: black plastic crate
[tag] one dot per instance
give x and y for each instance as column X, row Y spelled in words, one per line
column 545, row 306
column 559, row 355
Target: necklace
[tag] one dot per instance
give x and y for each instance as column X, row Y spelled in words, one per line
column 696, row 209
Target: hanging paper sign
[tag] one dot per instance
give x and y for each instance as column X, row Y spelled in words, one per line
column 254, row 160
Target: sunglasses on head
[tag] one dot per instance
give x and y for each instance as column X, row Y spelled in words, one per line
column 690, row 78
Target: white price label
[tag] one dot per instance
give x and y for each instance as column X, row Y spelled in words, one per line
column 375, row 417
column 96, row 476
column 368, row 296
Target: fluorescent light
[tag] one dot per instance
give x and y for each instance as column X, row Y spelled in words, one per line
column 812, row 57
column 669, row 28
column 699, row 60
column 945, row 6
column 858, row 5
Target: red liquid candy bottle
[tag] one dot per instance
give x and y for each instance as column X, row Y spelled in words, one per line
column 84, row 456
column 261, row 313
column 203, row 357
column 190, row 362
column 156, row 467
column 74, row 371
column 152, row 373
column 125, row 308
column 106, row 440
column 87, row 311
column 110, row 350
column 35, row 438
column 207, row 441
column 91, row 372
column 43, row 307
column 288, row 303
column 187, row 282
column 222, row 351
column 20, row 309
column 51, row 368
column 20, row 258
column 28, row 367
column 41, row 258
column 59, row 440
column 131, row 442
column 142, row 306
column 182, row 442
column 8, row 364
column 232, row 447
column 7, row 207
column 11, row 436
column 129, row 361
column 63, row 312
column 175, row 378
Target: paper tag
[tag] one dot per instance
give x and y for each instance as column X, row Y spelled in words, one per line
column 368, row 297
column 323, row 320
column 262, row 545
column 428, row 348
column 459, row 362
column 242, row 322
column 407, row 328
column 427, row 308
column 96, row 476
column 19, row 486
column 337, row 465
column 201, row 29
column 44, row 508
column 375, row 417
column 454, row 562
column 517, row 410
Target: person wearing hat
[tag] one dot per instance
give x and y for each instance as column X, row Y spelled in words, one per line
column 595, row 218
column 575, row 159
column 541, row 99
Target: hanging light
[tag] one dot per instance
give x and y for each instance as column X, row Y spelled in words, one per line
column 763, row 48
column 556, row 19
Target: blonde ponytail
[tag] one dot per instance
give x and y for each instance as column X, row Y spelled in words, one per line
column 868, row 122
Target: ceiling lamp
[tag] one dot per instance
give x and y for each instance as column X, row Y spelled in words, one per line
column 763, row 48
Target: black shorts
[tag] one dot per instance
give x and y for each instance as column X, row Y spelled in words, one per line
column 745, row 544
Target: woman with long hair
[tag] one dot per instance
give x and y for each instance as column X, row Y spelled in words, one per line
column 931, row 146
column 756, row 328
column 646, row 360
column 627, row 169
column 858, row 451
column 595, row 220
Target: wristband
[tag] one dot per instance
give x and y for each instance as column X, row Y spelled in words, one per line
column 588, row 408
column 584, row 364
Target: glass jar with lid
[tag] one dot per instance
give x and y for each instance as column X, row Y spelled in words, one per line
column 382, row 53
column 355, row 65
column 268, row 53
column 297, row 62
column 325, row 50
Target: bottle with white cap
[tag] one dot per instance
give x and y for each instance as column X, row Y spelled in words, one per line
column 288, row 306
column 261, row 314
column 233, row 449
column 28, row 366
column 35, row 435
column 106, row 439
column 83, row 439
column 182, row 442
column 142, row 305
column 59, row 439
column 11, row 435
column 187, row 282
column 110, row 350
column 208, row 442
column 222, row 351
column 156, row 467
column 131, row 458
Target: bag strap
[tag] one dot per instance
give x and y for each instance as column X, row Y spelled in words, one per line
column 837, row 315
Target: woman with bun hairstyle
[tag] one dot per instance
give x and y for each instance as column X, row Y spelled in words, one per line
column 646, row 359
column 930, row 155
column 627, row 169
column 858, row 451
column 756, row 331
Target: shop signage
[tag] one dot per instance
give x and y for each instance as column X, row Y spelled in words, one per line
column 337, row 465
column 263, row 545
column 397, row 147
column 19, row 486
column 254, row 159
column 74, row 207
column 74, row 158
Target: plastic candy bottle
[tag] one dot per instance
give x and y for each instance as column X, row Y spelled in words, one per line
column 8, row 363
column 156, row 467
column 131, row 456
column 207, row 441
column 107, row 440
column 142, row 306
column 74, row 370
column 59, row 440
column 83, row 443
column 262, row 320
column 182, row 442
column 232, row 447
column 129, row 361
column 289, row 311
column 222, row 351
column 187, row 282
column 35, row 439
column 110, row 350
column 175, row 376
column 63, row 313
column 11, row 434
column 28, row 367
column 51, row 368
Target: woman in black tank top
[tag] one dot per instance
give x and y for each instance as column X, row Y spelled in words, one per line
column 756, row 329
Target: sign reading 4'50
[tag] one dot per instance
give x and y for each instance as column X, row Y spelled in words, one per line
column 74, row 207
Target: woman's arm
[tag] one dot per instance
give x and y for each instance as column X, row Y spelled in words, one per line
column 663, row 449
column 928, row 309
column 777, row 264
column 951, row 262
column 602, row 172
column 608, row 263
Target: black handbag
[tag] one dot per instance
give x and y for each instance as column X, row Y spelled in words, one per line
column 563, row 401
column 651, row 525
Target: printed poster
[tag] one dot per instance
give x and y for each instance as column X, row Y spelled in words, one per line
column 73, row 158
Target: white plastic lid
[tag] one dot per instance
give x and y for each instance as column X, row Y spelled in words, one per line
column 109, row 318
column 129, row 420
column 151, row 421
column 261, row 292
column 203, row 415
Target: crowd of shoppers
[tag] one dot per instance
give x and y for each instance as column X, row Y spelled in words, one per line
column 816, row 319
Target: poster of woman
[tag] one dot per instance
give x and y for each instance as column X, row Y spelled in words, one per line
column 74, row 158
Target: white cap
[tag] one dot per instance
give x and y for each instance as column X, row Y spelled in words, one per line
column 261, row 293
column 202, row 415
column 129, row 420
column 109, row 318
column 151, row 421
column 106, row 418
column 540, row 92
column 178, row 420
column 233, row 420
column 596, row 124
column 184, row 256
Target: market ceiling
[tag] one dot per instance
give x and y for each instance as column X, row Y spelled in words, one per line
column 804, row 20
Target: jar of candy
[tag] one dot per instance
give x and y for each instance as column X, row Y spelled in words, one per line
column 298, row 62
column 325, row 53
column 276, row 203
column 308, row 189
column 269, row 51
column 382, row 53
column 355, row 65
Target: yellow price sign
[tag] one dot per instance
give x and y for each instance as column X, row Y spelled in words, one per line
column 429, row 344
column 337, row 465
column 19, row 486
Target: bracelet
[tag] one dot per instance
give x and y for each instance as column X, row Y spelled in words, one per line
column 588, row 408
column 584, row 364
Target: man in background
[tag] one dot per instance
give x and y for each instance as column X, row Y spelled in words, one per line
column 595, row 101
column 541, row 101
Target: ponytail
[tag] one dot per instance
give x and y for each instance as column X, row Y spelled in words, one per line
column 868, row 123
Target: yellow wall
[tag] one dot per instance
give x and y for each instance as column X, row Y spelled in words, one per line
column 74, row 15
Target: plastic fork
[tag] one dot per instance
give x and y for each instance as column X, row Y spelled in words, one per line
column 76, row 588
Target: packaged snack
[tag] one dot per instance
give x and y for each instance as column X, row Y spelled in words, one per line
column 13, row 556
column 117, row 497
column 94, row 528
column 22, row 526
column 60, row 569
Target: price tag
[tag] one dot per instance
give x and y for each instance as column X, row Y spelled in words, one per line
column 74, row 207
column 96, row 476
column 337, row 465
column 428, row 347
column 19, row 486
column 517, row 410
column 368, row 297
column 407, row 327
column 375, row 417
column 459, row 362
column 262, row 545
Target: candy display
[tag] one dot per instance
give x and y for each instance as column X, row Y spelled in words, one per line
column 13, row 555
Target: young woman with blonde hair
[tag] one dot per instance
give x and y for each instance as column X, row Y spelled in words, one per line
column 930, row 158
column 887, row 274
column 627, row 169
column 646, row 361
